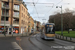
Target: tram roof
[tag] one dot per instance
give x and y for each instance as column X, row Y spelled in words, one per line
column 49, row 23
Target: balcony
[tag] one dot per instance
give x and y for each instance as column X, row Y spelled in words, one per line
column 5, row 7
column 16, row 9
column 7, row 23
column 15, row 23
column 15, row 16
column 5, row 15
column 5, row 0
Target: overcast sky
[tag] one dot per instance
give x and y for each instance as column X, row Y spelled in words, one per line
column 43, row 11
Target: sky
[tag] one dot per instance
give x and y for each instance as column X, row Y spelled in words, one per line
column 42, row 9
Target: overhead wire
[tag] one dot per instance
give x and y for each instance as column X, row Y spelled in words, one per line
column 43, row 3
column 35, row 8
column 36, row 11
column 52, row 8
column 37, row 1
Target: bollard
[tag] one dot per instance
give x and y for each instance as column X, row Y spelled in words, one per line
column 60, row 36
column 63, row 37
column 70, row 38
column 66, row 38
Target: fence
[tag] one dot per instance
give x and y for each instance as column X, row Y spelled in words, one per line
column 65, row 38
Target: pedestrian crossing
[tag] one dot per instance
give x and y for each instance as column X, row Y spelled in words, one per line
column 16, row 46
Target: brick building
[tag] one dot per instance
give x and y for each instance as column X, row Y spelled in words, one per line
column 31, row 24
column 13, row 14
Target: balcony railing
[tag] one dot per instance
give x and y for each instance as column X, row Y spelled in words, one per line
column 15, row 9
column 15, row 22
column 7, row 14
column 6, row 22
column 6, row 6
column 15, row 16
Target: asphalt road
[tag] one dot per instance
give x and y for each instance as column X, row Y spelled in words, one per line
column 34, row 42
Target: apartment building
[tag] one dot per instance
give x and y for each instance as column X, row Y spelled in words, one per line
column 23, row 18
column 13, row 15
column 31, row 24
column 38, row 26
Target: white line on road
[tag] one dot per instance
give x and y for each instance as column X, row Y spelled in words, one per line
column 16, row 46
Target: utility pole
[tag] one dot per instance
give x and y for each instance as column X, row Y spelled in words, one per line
column 61, row 21
column 11, row 16
column 4, row 20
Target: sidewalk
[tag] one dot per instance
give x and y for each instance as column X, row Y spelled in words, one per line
column 14, row 35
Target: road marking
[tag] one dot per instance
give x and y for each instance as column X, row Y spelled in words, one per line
column 16, row 46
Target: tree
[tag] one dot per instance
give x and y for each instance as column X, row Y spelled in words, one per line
column 68, row 20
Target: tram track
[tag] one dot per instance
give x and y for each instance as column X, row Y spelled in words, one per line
column 44, row 43
column 39, row 42
column 34, row 44
column 53, row 42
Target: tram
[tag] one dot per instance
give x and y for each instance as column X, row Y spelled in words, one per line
column 48, row 31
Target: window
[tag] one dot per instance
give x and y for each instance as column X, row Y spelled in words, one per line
column 7, row 18
column 16, row 7
column 22, row 8
column 2, row 18
column 50, row 30
column 16, row 14
column 22, row 14
column 23, row 22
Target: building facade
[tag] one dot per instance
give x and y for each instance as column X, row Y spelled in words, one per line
column 38, row 26
column 23, row 18
column 31, row 24
column 13, row 14
column 35, row 25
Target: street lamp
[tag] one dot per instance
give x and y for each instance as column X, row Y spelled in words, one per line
column 61, row 20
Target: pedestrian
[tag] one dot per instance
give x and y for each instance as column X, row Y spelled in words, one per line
column 13, row 31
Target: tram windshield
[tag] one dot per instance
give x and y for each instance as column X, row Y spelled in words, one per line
column 50, row 29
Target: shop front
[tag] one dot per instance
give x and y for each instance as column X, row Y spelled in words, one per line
column 15, row 30
column 2, row 30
